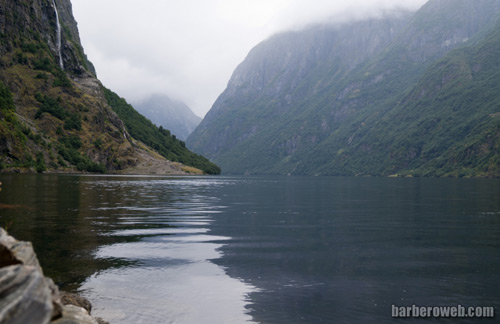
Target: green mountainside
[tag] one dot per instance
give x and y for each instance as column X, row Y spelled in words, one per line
column 406, row 94
column 56, row 116
column 449, row 124
column 158, row 138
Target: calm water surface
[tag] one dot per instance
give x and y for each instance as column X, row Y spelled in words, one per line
column 261, row 249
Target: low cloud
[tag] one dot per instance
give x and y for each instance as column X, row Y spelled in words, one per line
column 188, row 49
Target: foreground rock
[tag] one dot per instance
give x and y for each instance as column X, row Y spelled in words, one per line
column 27, row 296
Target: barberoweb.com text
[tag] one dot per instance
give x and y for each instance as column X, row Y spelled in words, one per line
column 458, row 311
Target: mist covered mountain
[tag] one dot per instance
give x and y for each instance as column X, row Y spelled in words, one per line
column 55, row 115
column 407, row 93
column 173, row 115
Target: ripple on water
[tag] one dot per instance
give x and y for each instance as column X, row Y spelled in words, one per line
column 169, row 277
column 173, row 282
column 158, row 231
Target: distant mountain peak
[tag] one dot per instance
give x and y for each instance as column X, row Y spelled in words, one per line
column 173, row 115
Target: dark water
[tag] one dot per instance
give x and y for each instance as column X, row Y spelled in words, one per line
column 262, row 250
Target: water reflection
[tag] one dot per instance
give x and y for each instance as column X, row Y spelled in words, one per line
column 173, row 282
column 172, row 279
column 139, row 248
column 196, row 292
column 320, row 250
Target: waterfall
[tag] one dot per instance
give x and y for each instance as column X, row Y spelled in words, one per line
column 58, row 43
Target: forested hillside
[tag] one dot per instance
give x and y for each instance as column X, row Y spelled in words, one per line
column 404, row 94
column 158, row 138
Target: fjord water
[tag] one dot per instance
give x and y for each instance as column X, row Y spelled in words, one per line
column 261, row 249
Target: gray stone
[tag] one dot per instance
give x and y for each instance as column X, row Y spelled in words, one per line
column 16, row 252
column 24, row 296
column 56, row 300
column 101, row 321
column 75, row 315
column 73, row 299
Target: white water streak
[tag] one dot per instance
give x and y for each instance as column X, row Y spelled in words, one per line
column 58, row 43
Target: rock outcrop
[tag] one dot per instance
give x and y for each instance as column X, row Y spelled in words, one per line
column 27, row 296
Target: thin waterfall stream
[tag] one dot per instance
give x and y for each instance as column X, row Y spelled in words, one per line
column 58, row 38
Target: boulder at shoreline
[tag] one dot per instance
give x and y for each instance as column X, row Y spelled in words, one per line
column 27, row 296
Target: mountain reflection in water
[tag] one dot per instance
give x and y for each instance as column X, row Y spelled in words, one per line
column 139, row 248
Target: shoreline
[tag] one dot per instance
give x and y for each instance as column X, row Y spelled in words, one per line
column 17, row 170
column 29, row 296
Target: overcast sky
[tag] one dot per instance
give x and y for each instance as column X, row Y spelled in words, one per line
column 188, row 49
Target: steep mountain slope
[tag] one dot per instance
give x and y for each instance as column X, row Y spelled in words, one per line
column 173, row 115
column 328, row 120
column 54, row 113
column 267, row 91
column 449, row 124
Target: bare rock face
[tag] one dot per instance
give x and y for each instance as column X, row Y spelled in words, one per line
column 13, row 251
column 24, row 295
column 27, row 296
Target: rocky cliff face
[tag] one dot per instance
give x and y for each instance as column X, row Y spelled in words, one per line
column 281, row 67
column 265, row 90
column 37, row 21
column 301, row 102
column 54, row 112
column 442, row 25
